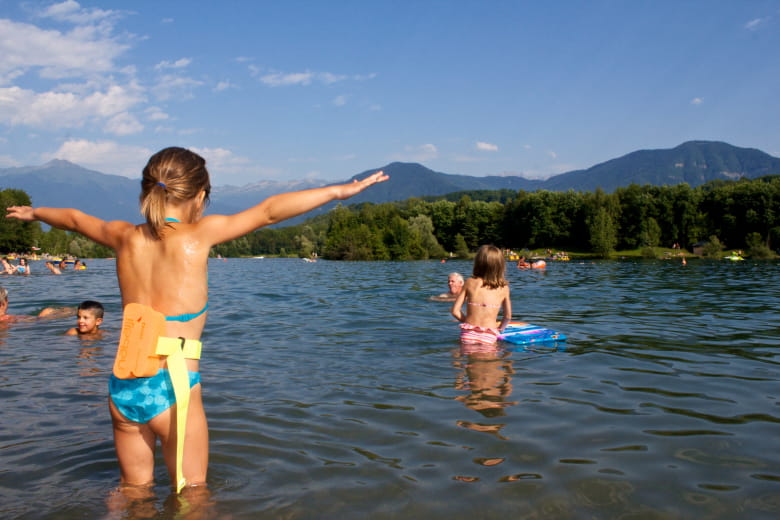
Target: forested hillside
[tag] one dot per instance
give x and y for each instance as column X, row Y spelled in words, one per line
column 741, row 214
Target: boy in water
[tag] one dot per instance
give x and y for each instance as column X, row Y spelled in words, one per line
column 89, row 317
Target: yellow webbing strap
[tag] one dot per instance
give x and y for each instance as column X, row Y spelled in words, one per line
column 177, row 350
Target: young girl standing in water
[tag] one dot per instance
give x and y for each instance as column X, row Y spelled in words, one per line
column 162, row 269
column 484, row 294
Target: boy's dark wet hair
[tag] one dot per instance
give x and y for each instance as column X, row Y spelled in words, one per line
column 91, row 305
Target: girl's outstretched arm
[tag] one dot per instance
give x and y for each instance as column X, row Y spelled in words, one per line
column 221, row 228
column 98, row 230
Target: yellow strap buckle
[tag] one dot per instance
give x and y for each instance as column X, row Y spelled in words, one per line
column 189, row 347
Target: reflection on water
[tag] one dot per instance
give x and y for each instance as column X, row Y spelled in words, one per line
column 486, row 376
column 339, row 390
column 89, row 354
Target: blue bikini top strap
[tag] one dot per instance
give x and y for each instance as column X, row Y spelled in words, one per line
column 171, row 219
column 189, row 316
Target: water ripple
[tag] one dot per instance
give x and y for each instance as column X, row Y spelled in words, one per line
column 338, row 389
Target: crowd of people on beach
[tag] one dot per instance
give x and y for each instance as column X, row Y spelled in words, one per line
column 57, row 266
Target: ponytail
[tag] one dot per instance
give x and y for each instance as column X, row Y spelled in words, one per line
column 172, row 174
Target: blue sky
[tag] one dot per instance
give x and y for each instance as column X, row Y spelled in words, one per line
column 293, row 89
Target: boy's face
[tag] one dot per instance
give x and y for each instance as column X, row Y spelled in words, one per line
column 87, row 323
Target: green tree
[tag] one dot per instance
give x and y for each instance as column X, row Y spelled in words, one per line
column 55, row 241
column 421, row 227
column 461, row 248
column 464, row 222
column 603, row 233
column 442, row 213
column 15, row 235
column 757, row 248
column 74, row 247
column 305, row 246
column 398, row 239
column 713, row 249
column 651, row 233
column 356, row 242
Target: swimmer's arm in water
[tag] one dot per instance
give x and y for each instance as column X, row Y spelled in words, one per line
column 221, row 228
column 69, row 219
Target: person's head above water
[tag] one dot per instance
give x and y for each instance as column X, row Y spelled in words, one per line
column 455, row 283
column 489, row 265
column 173, row 176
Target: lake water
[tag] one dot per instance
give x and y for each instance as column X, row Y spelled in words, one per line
column 338, row 390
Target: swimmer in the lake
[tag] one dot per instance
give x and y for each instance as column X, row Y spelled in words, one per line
column 455, row 283
column 89, row 317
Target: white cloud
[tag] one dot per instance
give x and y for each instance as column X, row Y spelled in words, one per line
column 753, row 24
column 340, row 101
column 65, row 109
column 328, row 78
column 223, row 85
column 284, row 79
column 71, row 11
column 104, row 156
column 171, row 85
column 486, row 147
column 123, row 124
column 226, row 167
column 53, row 54
column 155, row 114
column 424, row 152
column 6, row 161
column 697, row 101
column 552, row 154
column 178, row 64
column 221, row 159
column 279, row 79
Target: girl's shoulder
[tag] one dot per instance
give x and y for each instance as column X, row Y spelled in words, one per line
column 473, row 282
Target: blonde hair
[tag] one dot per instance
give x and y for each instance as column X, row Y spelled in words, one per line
column 3, row 295
column 172, row 174
column 489, row 265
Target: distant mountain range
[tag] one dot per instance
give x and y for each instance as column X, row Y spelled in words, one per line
column 60, row 183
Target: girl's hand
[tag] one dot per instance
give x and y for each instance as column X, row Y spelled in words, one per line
column 21, row 212
column 356, row 186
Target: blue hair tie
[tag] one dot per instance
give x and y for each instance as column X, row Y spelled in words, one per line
column 163, row 185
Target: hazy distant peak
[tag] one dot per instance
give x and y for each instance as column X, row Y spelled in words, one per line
column 60, row 163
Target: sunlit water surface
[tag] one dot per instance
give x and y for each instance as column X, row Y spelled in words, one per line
column 339, row 390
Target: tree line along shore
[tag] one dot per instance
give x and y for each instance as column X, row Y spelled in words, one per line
column 647, row 221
